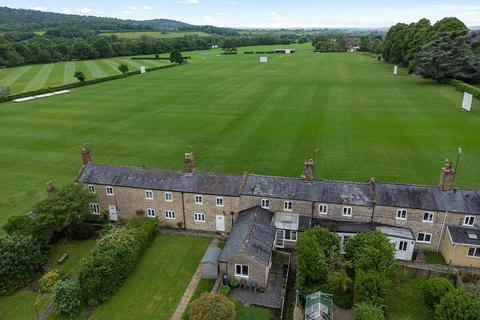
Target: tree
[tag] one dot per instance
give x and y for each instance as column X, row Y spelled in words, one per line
column 69, row 205
column 341, row 286
column 123, row 68
column 458, row 305
column 370, row 286
column 20, row 258
column 66, row 297
column 372, row 251
column 449, row 56
column 212, row 307
column 22, row 225
column 365, row 311
column 79, row 75
column 176, row 57
column 435, row 288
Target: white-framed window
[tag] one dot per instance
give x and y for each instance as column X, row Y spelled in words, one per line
column 219, row 202
column 151, row 212
column 241, row 270
column 424, row 237
column 169, row 214
column 265, row 203
column 199, row 217
column 168, row 196
column 91, row 188
column 428, row 216
column 402, row 246
column 401, row 214
column 109, row 190
column 473, row 252
column 95, row 208
column 469, row 221
column 347, row 211
column 149, row 194
column 198, row 199
column 322, row 208
column 290, row 235
column 287, row 205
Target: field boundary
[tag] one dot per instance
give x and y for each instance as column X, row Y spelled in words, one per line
column 80, row 84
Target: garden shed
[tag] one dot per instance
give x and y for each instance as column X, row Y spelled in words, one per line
column 210, row 263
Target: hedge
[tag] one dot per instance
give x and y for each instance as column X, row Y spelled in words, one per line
column 114, row 256
column 159, row 58
column 462, row 86
column 79, row 84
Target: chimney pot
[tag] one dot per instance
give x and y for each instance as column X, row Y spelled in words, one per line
column 189, row 163
column 447, row 177
column 86, row 156
column 50, row 188
column 308, row 169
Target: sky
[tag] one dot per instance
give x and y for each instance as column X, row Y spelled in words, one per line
column 267, row 13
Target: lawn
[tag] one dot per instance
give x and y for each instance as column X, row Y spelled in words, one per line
column 237, row 115
column 251, row 313
column 156, row 34
column 154, row 288
column 76, row 250
column 405, row 300
column 433, row 257
column 38, row 76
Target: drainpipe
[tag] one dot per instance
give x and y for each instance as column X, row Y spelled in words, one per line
column 183, row 211
column 442, row 231
column 453, row 253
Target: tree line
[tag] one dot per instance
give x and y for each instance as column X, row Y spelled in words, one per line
column 446, row 49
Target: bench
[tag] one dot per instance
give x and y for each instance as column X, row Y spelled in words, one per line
column 63, row 258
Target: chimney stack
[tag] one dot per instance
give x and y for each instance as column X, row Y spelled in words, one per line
column 50, row 189
column 189, row 163
column 308, row 170
column 86, row 157
column 447, row 176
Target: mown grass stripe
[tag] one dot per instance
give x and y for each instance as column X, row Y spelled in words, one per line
column 68, row 72
column 95, row 70
column 13, row 76
column 39, row 80
column 112, row 64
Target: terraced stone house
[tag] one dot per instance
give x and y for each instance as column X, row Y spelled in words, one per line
column 411, row 216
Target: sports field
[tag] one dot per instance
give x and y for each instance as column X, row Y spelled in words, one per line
column 38, row 76
column 156, row 34
column 237, row 115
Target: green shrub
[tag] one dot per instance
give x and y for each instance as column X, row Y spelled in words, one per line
column 22, row 225
column 234, row 282
column 458, row 304
column 341, row 286
column 66, row 297
column 47, row 281
column 112, row 258
column 225, row 290
column 434, row 289
column 20, row 258
column 365, row 311
column 212, row 307
column 370, row 287
column 81, row 231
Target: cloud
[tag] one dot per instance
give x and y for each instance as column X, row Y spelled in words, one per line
column 132, row 8
column 127, row 12
column 86, row 10
column 233, row 3
column 189, row 1
column 148, row 8
column 279, row 18
column 67, row 10
column 209, row 20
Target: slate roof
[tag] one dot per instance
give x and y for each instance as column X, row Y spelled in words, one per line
column 211, row 255
column 396, row 232
column 335, row 225
column 298, row 189
column 428, row 198
column 460, row 234
column 161, row 179
column 252, row 234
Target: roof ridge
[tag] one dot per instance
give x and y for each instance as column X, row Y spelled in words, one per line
column 250, row 230
column 313, row 181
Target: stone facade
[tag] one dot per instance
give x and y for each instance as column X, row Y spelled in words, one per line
column 257, row 272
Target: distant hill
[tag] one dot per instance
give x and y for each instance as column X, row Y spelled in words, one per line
column 32, row 20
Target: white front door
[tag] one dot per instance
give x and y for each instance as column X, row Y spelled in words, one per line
column 401, row 252
column 279, row 239
column 220, row 222
column 112, row 210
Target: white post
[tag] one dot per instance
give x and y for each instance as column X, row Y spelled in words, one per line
column 142, row 69
column 395, row 70
column 467, row 101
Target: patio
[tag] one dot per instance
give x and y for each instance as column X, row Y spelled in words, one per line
column 273, row 295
